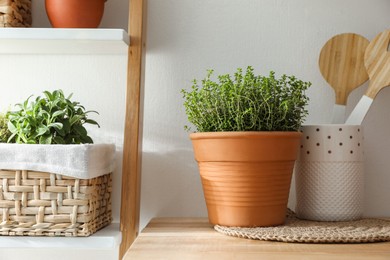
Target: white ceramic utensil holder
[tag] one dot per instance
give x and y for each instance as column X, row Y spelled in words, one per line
column 329, row 174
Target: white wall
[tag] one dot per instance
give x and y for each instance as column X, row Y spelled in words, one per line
column 186, row 37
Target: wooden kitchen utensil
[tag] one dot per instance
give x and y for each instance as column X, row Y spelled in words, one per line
column 377, row 63
column 341, row 63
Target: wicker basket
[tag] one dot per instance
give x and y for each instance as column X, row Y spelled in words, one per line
column 47, row 204
column 15, row 13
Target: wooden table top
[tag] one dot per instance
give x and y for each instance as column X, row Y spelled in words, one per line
column 195, row 238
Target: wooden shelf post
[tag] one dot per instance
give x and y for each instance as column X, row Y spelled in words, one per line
column 132, row 150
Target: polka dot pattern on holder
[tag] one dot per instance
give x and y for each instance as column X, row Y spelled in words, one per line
column 331, row 143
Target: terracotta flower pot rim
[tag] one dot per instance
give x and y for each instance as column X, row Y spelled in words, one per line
column 252, row 134
column 245, row 146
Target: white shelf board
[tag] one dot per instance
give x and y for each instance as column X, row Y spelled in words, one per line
column 63, row 41
column 107, row 238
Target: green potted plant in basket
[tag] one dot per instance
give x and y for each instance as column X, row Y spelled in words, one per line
column 52, row 119
column 246, row 142
column 56, row 180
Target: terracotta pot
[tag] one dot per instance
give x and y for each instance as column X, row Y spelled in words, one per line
column 246, row 176
column 75, row 13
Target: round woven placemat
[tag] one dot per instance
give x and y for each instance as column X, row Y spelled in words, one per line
column 296, row 230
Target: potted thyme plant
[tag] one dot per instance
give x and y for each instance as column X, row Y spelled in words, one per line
column 246, row 142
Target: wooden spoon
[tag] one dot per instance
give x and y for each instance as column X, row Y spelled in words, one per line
column 377, row 62
column 341, row 63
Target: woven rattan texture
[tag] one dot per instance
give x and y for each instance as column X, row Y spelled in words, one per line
column 15, row 13
column 304, row 231
column 46, row 204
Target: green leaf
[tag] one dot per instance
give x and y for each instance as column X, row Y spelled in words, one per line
column 12, row 127
column 74, row 119
column 25, row 103
column 48, row 95
column 92, row 122
column 58, row 140
column 58, row 113
column 45, row 139
column 42, row 130
column 56, row 126
column 80, row 130
column 11, row 138
column 66, row 125
column 87, row 140
column 43, row 113
column 91, row 111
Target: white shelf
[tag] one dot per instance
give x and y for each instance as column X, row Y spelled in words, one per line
column 63, row 41
column 107, row 238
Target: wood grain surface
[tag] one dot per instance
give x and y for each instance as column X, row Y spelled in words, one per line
column 341, row 64
column 194, row 238
column 131, row 169
column 377, row 62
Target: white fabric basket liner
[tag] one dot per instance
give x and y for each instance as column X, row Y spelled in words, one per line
column 82, row 161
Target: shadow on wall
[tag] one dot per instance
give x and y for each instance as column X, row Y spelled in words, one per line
column 170, row 184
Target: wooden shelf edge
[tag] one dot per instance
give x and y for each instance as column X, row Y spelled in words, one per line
column 195, row 238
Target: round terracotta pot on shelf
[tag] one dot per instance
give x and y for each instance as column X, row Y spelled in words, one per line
column 75, row 13
column 246, row 176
